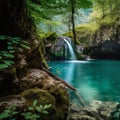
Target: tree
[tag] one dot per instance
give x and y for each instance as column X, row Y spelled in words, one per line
column 14, row 18
column 72, row 19
column 16, row 21
column 105, row 11
column 57, row 7
column 77, row 4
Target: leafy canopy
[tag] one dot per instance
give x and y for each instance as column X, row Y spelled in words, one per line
column 47, row 9
column 105, row 11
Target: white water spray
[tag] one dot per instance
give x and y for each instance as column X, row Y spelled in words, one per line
column 70, row 48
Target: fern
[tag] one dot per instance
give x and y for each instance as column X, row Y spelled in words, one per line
column 32, row 112
column 14, row 45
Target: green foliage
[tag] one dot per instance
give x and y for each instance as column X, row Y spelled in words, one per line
column 42, row 12
column 105, row 11
column 83, row 4
column 48, row 35
column 45, row 13
column 87, row 28
column 9, row 113
column 31, row 113
column 13, row 45
column 84, row 32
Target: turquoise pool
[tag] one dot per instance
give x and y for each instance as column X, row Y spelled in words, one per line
column 94, row 79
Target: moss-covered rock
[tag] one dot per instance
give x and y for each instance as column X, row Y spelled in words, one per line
column 43, row 96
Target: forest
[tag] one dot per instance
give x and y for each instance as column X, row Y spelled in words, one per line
column 59, row 59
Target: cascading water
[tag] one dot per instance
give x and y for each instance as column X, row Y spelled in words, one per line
column 70, row 49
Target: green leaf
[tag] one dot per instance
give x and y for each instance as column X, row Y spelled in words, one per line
column 15, row 42
column 8, row 37
column 27, row 115
column 4, row 52
column 4, row 115
column 12, row 51
column 2, row 37
column 30, row 108
column 34, row 103
column 10, row 47
column 16, row 38
column 39, row 109
column 14, row 113
column 40, row 106
column 47, row 106
column 9, row 43
column 8, row 55
column 45, row 112
column 25, row 46
column 2, row 66
column 7, row 111
column 8, row 62
column 25, row 42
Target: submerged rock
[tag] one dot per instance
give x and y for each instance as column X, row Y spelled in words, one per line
column 97, row 110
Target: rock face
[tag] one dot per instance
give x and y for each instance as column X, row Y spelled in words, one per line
column 56, row 51
column 59, row 50
column 97, row 110
column 105, row 42
column 104, row 50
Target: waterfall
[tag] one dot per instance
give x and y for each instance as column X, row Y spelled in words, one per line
column 70, row 49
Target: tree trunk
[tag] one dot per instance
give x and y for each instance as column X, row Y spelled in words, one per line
column 15, row 19
column 72, row 20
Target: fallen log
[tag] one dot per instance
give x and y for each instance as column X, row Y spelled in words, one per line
column 66, row 84
column 57, row 78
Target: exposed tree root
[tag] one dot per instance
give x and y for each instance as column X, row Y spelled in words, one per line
column 66, row 84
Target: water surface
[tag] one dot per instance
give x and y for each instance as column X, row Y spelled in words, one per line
column 94, row 79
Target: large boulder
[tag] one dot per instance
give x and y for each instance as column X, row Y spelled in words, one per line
column 59, row 108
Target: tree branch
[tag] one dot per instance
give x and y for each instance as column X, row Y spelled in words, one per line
column 66, row 84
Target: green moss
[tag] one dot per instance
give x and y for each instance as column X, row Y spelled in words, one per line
column 43, row 96
column 68, row 34
column 47, row 35
column 87, row 28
